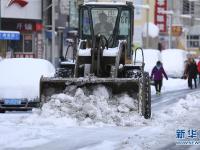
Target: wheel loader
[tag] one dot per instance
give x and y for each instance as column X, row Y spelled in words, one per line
column 105, row 56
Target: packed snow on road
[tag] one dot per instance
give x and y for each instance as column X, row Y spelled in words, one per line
column 84, row 119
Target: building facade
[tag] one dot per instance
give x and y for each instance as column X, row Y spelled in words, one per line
column 183, row 25
column 26, row 18
column 175, row 30
column 59, row 17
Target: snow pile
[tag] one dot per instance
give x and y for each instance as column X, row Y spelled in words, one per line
column 153, row 30
column 184, row 107
column 93, row 107
column 151, row 56
column 20, row 77
column 173, row 61
column 182, row 115
column 178, row 84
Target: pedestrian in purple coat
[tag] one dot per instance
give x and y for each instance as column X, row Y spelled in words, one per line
column 157, row 75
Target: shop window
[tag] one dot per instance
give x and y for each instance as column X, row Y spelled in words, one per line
column 28, row 43
column 25, row 44
column 188, row 7
column 193, row 41
column 15, row 46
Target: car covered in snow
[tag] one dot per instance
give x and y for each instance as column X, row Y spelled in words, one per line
column 20, row 82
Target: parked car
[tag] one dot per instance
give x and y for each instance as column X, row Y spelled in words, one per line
column 20, row 82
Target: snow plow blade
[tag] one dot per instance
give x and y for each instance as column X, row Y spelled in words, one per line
column 135, row 88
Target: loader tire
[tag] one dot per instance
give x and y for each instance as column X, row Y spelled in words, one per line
column 147, row 92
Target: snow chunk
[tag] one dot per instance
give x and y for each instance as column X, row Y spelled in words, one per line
column 84, row 52
column 127, row 102
column 110, row 52
column 101, row 91
column 89, row 110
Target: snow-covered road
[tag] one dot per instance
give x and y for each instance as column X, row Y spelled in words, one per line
column 170, row 111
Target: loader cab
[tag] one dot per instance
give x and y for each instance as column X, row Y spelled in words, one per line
column 113, row 20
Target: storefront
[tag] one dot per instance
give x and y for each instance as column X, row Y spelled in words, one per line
column 27, row 20
column 4, row 36
column 26, row 46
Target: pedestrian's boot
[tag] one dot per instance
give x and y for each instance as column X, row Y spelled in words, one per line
column 157, row 93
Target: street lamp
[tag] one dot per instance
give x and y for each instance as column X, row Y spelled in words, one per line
column 146, row 7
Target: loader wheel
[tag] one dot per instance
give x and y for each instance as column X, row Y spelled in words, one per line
column 147, row 102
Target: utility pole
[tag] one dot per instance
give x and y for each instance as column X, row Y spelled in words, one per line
column 53, row 50
column 147, row 20
column 46, row 24
column 169, row 14
column 170, row 31
column 146, row 7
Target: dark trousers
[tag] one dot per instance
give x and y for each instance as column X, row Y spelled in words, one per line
column 190, row 82
column 158, row 85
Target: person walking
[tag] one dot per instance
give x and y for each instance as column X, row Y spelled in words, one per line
column 198, row 68
column 191, row 72
column 157, row 75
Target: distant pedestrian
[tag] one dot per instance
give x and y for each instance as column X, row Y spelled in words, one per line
column 185, row 76
column 191, row 72
column 198, row 67
column 157, row 75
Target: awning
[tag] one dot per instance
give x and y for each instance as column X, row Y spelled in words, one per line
column 9, row 35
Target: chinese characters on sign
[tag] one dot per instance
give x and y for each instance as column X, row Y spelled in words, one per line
column 160, row 18
column 188, row 137
column 9, row 35
column 21, row 25
column 24, row 26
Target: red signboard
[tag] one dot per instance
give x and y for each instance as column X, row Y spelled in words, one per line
column 21, row 25
column 160, row 18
